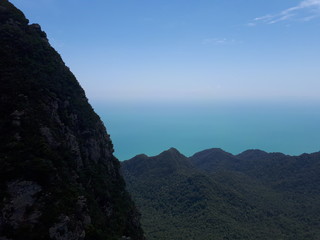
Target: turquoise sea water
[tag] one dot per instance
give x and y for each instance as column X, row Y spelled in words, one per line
column 150, row 128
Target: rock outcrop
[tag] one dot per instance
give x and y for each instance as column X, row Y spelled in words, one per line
column 58, row 176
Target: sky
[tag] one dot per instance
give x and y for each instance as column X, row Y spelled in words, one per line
column 193, row 74
column 186, row 50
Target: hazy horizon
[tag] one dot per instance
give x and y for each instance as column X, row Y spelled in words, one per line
column 150, row 128
column 214, row 69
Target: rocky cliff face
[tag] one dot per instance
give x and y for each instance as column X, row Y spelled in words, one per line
column 58, row 176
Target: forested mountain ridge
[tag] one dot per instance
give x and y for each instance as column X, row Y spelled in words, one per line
column 253, row 195
column 58, row 176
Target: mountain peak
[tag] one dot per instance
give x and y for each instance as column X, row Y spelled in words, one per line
column 252, row 153
column 10, row 14
column 213, row 159
column 212, row 152
column 58, row 176
column 168, row 162
column 172, row 152
column 177, row 206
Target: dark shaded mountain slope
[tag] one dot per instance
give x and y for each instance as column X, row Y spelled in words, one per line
column 216, row 195
column 58, row 176
column 298, row 174
column 223, row 160
column 172, row 196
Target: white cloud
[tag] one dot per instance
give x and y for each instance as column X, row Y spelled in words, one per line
column 218, row 41
column 304, row 11
column 251, row 24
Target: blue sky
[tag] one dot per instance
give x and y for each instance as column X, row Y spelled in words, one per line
column 193, row 74
column 178, row 50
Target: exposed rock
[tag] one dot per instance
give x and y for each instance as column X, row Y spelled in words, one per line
column 58, row 176
column 125, row 238
column 4, row 238
column 46, row 132
column 16, row 118
column 22, row 197
column 62, row 231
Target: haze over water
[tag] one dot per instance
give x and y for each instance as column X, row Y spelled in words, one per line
column 150, row 128
column 193, row 74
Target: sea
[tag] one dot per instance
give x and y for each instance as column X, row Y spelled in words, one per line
column 150, row 127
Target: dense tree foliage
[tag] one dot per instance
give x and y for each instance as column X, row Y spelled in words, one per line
column 216, row 195
column 58, row 176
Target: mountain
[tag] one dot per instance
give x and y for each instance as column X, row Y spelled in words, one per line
column 167, row 190
column 214, row 159
column 58, row 176
column 217, row 195
column 283, row 172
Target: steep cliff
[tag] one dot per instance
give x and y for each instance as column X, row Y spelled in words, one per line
column 58, row 176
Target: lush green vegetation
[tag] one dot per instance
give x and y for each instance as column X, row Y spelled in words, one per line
column 51, row 136
column 215, row 195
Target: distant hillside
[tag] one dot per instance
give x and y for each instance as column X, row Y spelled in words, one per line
column 216, row 195
column 58, row 177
